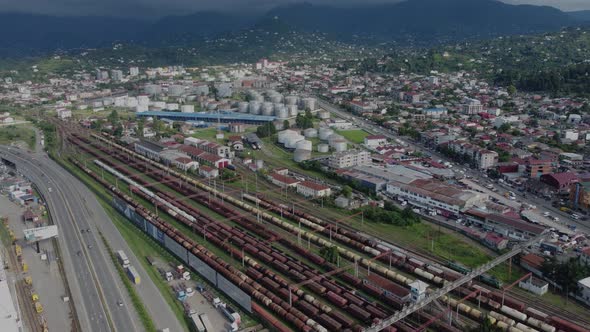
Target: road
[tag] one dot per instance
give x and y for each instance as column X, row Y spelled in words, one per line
column 94, row 282
column 542, row 205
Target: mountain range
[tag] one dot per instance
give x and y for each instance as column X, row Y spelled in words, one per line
column 410, row 22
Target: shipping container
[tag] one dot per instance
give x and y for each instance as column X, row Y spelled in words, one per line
column 122, row 257
column 133, row 275
column 206, row 323
column 198, row 324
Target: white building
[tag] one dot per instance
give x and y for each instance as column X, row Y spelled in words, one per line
column 349, row 159
column 472, row 106
column 534, row 285
column 374, row 141
column 312, row 189
column 133, row 71
column 117, row 75
column 584, row 285
column 570, row 135
column 64, row 113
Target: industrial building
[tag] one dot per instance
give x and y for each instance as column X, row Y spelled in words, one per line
column 216, row 117
column 513, row 228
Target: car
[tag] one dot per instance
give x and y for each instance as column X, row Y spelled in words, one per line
column 120, row 303
column 89, row 246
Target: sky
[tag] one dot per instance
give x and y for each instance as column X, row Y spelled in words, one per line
column 154, row 8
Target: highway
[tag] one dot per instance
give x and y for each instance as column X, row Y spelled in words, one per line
column 542, row 205
column 93, row 279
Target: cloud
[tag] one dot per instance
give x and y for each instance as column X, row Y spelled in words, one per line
column 154, row 8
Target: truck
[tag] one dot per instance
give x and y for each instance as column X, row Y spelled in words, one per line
column 198, row 324
column 122, row 257
column 206, row 322
column 133, row 275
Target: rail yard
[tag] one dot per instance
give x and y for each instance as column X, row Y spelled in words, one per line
column 265, row 256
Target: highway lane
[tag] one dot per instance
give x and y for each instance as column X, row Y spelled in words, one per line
column 542, row 205
column 89, row 308
column 91, row 215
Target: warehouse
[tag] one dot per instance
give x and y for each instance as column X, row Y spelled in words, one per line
column 223, row 117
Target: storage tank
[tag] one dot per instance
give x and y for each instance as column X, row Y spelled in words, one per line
column 334, row 137
column 310, row 133
column 175, row 90
column 323, row 148
column 243, row 107
column 152, row 89
column 301, row 155
column 283, row 135
column 282, row 113
column 513, row 313
column 276, row 98
column 339, row 145
column 324, row 133
column 309, row 102
column 324, row 115
column 304, row 145
column 292, row 110
column 254, row 107
column 211, row 106
column 267, row 108
column 291, row 100
column 291, row 141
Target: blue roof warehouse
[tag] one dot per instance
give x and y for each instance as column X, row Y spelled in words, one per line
column 223, row 117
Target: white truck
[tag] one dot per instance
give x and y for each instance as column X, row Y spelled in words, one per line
column 122, row 257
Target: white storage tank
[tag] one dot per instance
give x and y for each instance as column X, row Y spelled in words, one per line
column 243, row 107
column 334, row 137
column 301, row 155
column 282, row 113
column 267, row 108
column 310, row 133
column 283, row 135
column 324, row 133
column 187, row 108
column 309, row 102
column 159, row 104
column 291, row 100
column 172, row 106
column 339, row 145
column 211, row 106
column 143, row 100
column 254, row 107
column 276, row 98
column 324, row 115
column 291, row 141
column 175, row 90
column 293, row 110
column 152, row 89
column 323, row 148
column 304, row 145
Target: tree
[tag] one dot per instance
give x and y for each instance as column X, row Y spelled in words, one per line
column 511, row 90
column 266, row 130
column 157, row 126
column 504, row 128
column 113, row 118
column 347, row 191
column 286, row 124
column 330, row 254
column 118, row 130
column 565, row 274
column 140, row 126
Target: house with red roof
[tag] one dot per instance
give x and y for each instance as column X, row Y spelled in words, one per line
column 312, row 189
column 282, row 180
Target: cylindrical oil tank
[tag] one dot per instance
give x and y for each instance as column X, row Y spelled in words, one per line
column 310, row 133
column 175, row 90
column 301, row 155
column 291, row 100
column 324, row 115
column 293, row 110
column 282, row 113
column 310, row 103
column 304, row 145
column 152, row 89
column 339, row 145
column 291, row 142
column 267, row 108
column 276, row 98
column 323, row 148
column 283, row 135
column 243, row 107
column 211, row 106
column 513, row 313
column 324, row 133
column 254, row 107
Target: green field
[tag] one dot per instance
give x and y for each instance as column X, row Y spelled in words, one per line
column 24, row 133
column 356, row 136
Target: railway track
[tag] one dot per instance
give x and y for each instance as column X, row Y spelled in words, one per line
column 149, row 171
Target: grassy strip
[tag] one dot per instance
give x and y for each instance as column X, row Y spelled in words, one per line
column 12, row 133
column 144, row 316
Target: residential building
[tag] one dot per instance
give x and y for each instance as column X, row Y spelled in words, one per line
column 362, row 107
column 133, row 71
column 585, row 256
column 348, row 159
column 116, row 75
column 436, row 112
column 534, row 168
column 312, row 189
column 560, row 182
column 208, row 172
column 63, row 113
column 584, row 287
column 472, row 106
column 487, row 159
